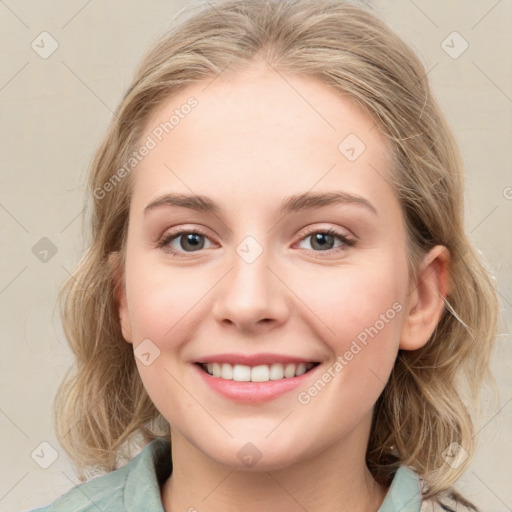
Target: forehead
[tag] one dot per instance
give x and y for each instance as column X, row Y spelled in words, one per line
column 257, row 133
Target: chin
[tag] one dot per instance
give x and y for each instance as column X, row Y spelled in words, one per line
column 256, row 456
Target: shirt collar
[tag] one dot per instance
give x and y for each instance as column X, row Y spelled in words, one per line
column 150, row 469
column 153, row 466
column 404, row 494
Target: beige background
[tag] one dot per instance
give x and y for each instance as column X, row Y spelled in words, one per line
column 53, row 113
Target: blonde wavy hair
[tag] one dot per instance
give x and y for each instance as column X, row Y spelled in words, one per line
column 423, row 409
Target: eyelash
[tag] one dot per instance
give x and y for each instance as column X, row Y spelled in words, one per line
column 163, row 243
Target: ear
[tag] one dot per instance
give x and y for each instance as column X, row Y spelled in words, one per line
column 425, row 304
column 114, row 262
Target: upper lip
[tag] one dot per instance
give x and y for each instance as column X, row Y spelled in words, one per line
column 254, row 359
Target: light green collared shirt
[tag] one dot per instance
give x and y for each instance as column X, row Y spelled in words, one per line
column 136, row 487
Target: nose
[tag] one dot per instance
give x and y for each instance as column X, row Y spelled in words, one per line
column 251, row 296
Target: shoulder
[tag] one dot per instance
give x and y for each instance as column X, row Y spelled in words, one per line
column 406, row 494
column 448, row 501
column 136, row 483
column 445, row 503
column 91, row 495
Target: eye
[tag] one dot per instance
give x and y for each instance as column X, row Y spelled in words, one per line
column 182, row 241
column 324, row 240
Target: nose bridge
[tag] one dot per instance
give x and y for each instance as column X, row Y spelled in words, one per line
column 251, row 292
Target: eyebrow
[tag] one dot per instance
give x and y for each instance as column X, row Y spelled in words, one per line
column 295, row 203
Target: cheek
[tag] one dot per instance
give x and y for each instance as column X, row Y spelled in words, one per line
column 358, row 312
column 347, row 302
column 363, row 312
column 162, row 302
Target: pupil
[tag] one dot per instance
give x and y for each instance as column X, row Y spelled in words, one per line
column 320, row 238
column 191, row 238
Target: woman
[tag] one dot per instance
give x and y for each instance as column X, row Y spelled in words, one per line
column 279, row 295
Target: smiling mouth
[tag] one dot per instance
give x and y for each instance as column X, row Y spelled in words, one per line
column 260, row 373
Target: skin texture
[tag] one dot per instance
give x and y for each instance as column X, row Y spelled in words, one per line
column 252, row 141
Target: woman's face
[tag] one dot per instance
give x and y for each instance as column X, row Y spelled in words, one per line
column 258, row 282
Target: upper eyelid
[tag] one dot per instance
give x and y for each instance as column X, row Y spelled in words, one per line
column 203, row 231
column 309, row 231
column 172, row 235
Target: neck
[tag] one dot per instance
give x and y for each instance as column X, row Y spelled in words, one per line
column 335, row 480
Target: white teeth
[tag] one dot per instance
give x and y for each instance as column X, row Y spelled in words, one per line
column 289, row 370
column 240, row 373
column 261, row 373
column 216, row 370
column 300, row 369
column 226, row 371
column 276, row 371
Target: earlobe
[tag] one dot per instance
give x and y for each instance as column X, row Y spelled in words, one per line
column 425, row 304
column 114, row 262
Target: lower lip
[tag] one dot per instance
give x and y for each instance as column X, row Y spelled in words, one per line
column 253, row 391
